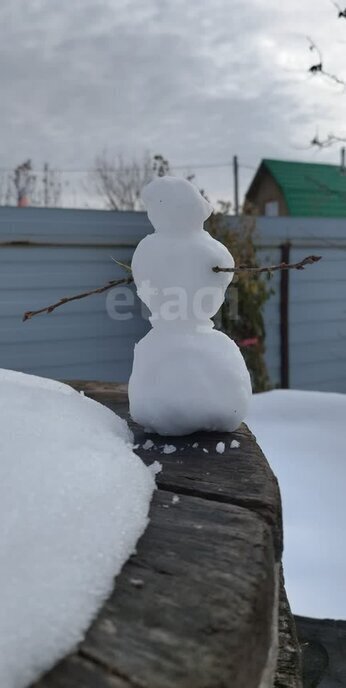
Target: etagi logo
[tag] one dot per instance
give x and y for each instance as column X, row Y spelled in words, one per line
column 170, row 304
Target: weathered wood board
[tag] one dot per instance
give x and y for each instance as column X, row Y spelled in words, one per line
column 323, row 643
column 193, row 607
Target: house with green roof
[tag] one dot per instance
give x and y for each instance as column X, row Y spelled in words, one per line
column 298, row 189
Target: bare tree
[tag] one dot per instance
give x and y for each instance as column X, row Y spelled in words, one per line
column 119, row 182
column 7, row 192
column 26, row 186
column 49, row 188
column 24, row 182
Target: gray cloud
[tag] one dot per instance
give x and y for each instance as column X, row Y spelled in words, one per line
column 197, row 81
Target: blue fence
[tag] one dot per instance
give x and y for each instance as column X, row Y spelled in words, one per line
column 316, row 313
column 46, row 254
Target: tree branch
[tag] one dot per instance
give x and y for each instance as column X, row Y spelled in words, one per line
column 341, row 13
column 327, row 142
column 127, row 280
column 309, row 260
column 49, row 309
column 318, row 68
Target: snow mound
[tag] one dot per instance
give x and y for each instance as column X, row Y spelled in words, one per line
column 74, row 500
column 193, row 381
column 303, row 437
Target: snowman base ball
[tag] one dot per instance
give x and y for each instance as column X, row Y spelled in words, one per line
column 186, row 376
column 188, row 382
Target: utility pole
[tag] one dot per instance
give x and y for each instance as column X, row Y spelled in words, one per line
column 342, row 161
column 236, row 184
column 46, row 185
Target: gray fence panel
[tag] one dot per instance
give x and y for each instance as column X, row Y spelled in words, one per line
column 46, row 254
column 317, row 300
column 49, row 254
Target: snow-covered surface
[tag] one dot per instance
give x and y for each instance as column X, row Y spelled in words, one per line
column 186, row 376
column 303, row 437
column 155, row 468
column 74, row 500
column 169, row 449
column 148, row 444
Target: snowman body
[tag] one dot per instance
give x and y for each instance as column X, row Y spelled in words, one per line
column 186, row 376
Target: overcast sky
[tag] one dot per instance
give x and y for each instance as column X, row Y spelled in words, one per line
column 196, row 81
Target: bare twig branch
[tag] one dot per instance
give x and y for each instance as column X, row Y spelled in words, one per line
column 333, row 77
column 314, row 48
column 119, row 181
column 115, row 283
column 328, row 141
column 341, row 13
column 318, row 67
column 309, row 260
column 49, row 309
column 122, row 265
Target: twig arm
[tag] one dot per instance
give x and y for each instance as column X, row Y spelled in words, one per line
column 115, row 283
column 309, row 260
column 49, row 309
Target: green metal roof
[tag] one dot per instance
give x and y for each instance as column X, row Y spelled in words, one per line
column 310, row 189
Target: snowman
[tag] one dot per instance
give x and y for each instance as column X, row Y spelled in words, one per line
column 186, row 376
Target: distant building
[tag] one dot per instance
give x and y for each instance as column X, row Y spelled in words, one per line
column 298, row 189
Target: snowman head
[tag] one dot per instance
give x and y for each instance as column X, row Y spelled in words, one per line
column 175, row 205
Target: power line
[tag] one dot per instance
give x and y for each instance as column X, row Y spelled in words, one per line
column 201, row 165
column 174, row 167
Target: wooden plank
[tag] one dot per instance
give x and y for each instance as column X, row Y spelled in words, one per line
column 79, row 672
column 102, row 391
column 193, row 607
column 289, row 665
column 240, row 476
column 323, row 644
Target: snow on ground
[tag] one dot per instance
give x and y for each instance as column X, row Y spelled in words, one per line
column 74, row 500
column 303, row 436
column 169, row 449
